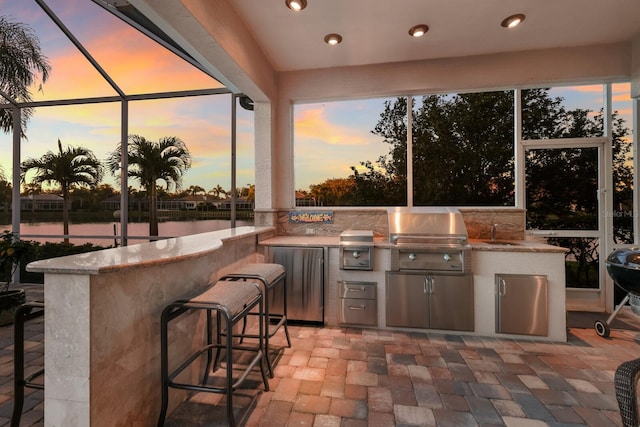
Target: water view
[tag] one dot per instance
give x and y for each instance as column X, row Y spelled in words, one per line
column 87, row 232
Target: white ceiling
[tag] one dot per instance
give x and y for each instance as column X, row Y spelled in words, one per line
column 376, row 31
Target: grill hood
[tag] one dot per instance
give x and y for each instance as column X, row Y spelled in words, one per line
column 427, row 225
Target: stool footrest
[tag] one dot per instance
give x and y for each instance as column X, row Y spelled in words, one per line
column 254, row 361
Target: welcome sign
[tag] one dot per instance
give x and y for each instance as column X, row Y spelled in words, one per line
column 311, row 217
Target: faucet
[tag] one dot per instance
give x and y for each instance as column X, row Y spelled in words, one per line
column 507, row 224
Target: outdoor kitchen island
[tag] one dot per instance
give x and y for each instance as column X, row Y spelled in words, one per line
column 490, row 261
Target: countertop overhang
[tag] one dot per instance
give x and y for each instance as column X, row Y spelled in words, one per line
column 159, row 252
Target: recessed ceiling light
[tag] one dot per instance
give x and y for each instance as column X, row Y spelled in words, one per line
column 296, row 5
column 332, row 39
column 418, row 30
column 513, row 20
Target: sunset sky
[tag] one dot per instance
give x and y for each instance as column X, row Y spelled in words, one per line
column 338, row 133
column 138, row 65
column 341, row 131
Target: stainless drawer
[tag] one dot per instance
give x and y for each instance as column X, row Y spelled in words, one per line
column 358, row 311
column 356, row 257
column 358, row 290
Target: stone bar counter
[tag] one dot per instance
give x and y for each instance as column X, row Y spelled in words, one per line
column 102, row 322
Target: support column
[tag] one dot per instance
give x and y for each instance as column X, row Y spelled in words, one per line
column 268, row 171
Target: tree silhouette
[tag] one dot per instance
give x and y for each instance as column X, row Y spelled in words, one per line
column 150, row 161
column 463, row 154
column 194, row 190
column 217, row 191
column 22, row 64
column 70, row 167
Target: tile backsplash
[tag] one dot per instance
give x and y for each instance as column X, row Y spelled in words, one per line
column 509, row 223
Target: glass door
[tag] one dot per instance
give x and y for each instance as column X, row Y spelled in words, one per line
column 563, row 183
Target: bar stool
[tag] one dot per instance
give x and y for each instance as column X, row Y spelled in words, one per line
column 270, row 275
column 24, row 313
column 231, row 304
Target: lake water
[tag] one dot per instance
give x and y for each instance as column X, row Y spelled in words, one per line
column 165, row 229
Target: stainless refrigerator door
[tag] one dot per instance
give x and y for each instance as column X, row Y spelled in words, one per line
column 451, row 302
column 521, row 304
column 304, row 282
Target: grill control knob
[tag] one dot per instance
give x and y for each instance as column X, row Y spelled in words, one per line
column 446, row 257
column 412, row 256
column 356, row 254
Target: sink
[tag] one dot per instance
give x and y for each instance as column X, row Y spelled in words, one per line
column 501, row 242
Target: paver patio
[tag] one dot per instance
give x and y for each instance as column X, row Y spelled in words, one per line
column 367, row 377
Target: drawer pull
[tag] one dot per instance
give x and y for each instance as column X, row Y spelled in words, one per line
column 356, row 289
column 360, row 307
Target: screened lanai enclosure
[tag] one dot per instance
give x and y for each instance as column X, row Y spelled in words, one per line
column 115, row 74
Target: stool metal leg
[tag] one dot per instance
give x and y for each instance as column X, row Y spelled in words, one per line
column 229, row 344
column 24, row 313
column 284, row 311
column 208, row 367
column 164, row 366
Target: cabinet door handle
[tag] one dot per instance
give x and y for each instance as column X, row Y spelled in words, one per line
column 356, row 289
column 428, row 284
column 502, row 287
column 358, row 307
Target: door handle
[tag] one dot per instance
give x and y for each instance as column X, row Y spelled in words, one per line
column 428, row 284
column 502, row 288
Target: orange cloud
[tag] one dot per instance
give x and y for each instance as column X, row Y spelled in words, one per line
column 312, row 123
column 134, row 62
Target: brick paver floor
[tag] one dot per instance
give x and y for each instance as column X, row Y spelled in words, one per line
column 366, row 377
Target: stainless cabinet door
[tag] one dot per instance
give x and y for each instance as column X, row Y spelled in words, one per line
column 451, row 304
column 407, row 301
column 521, row 304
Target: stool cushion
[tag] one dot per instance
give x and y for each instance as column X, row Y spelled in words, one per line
column 268, row 272
column 233, row 295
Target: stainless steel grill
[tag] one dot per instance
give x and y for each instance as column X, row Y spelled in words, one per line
column 430, row 284
column 429, row 239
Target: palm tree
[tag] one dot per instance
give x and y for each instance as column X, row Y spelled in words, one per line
column 217, row 191
column 149, row 161
column 194, row 190
column 71, row 167
column 22, row 64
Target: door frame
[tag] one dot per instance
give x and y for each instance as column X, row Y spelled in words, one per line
column 601, row 299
